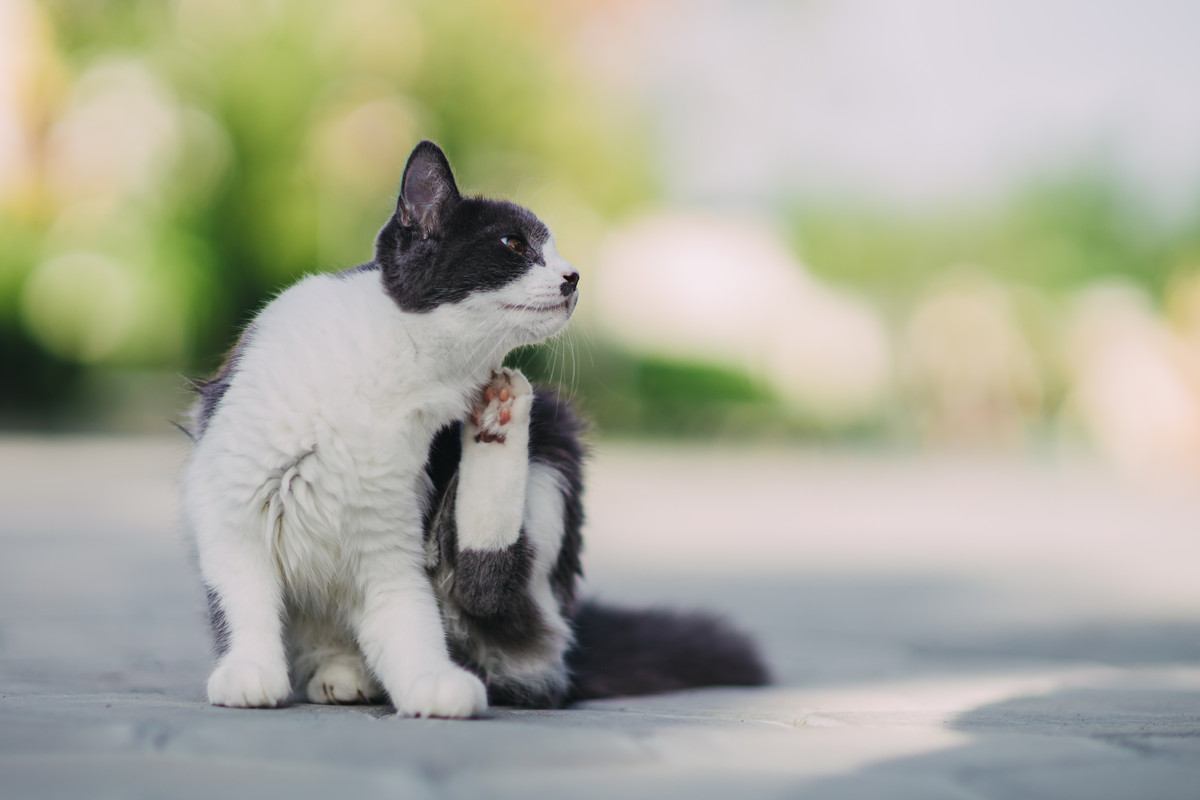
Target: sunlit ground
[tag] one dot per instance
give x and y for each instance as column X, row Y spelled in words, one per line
column 939, row 626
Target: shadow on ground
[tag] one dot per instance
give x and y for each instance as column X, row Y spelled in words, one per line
column 1122, row 741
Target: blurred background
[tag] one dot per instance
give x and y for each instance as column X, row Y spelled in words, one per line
column 932, row 226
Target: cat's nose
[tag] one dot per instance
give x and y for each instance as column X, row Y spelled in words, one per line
column 570, row 280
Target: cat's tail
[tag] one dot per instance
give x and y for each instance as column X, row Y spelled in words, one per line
column 623, row 652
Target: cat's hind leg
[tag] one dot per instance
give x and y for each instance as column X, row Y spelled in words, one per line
column 524, row 653
column 328, row 664
column 506, row 536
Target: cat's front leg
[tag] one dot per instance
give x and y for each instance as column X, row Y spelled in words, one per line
column 493, row 557
column 400, row 632
column 245, row 600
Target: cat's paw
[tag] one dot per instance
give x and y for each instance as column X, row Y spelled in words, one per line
column 450, row 692
column 503, row 405
column 342, row 679
column 240, row 682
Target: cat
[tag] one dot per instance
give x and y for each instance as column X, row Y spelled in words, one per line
column 381, row 509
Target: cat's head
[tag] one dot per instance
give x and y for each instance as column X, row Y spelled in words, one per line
column 492, row 260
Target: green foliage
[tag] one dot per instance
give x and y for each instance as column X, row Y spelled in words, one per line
column 239, row 145
column 627, row 395
column 268, row 107
column 1054, row 234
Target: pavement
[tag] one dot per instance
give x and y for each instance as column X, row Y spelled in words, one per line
column 939, row 627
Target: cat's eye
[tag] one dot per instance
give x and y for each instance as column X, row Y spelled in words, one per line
column 516, row 244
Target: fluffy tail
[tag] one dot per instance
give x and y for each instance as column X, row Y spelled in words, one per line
column 620, row 652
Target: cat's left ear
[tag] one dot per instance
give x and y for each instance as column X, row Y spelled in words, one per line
column 427, row 192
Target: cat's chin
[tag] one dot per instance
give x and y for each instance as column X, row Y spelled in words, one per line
column 539, row 323
column 563, row 307
column 536, row 334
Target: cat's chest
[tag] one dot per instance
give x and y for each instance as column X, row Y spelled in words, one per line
column 344, row 405
column 358, row 493
column 370, row 444
column 368, row 462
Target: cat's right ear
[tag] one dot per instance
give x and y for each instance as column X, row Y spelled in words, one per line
column 427, row 192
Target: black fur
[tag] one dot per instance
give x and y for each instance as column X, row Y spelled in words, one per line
column 620, row 653
column 491, row 584
column 555, row 439
column 369, row 266
column 442, row 466
column 216, row 620
column 521, row 694
column 488, row 588
column 616, row 652
column 439, row 246
column 487, row 593
column 213, row 389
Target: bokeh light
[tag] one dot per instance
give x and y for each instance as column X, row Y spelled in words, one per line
column 165, row 168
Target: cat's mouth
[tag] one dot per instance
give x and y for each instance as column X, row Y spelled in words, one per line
column 539, row 308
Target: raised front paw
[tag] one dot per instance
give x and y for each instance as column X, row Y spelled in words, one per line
column 449, row 692
column 240, row 682
column 502, row 405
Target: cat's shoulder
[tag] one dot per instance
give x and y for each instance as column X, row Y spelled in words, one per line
column 326, row 311
column 323, row 295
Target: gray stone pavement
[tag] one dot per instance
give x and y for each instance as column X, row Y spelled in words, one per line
column 939, row 628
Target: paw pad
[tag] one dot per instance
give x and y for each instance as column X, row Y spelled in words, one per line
column 505, row 398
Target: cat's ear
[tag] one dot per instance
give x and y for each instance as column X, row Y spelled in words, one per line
column 427, row 192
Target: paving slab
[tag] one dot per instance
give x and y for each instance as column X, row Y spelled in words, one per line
column 939, row 627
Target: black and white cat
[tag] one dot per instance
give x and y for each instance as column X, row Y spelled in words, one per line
column 380, row 507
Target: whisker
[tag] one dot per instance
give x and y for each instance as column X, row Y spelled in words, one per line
column 489, row 340
column 574, row 366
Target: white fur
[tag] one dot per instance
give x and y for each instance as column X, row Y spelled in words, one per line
column 557, row 264
column 544, row 522
column 306, row 492
column 492, row 477
column 327, row 661
column 341, row 678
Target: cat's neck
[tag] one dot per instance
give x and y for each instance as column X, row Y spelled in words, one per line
column 445, row 345
column 449, row 350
